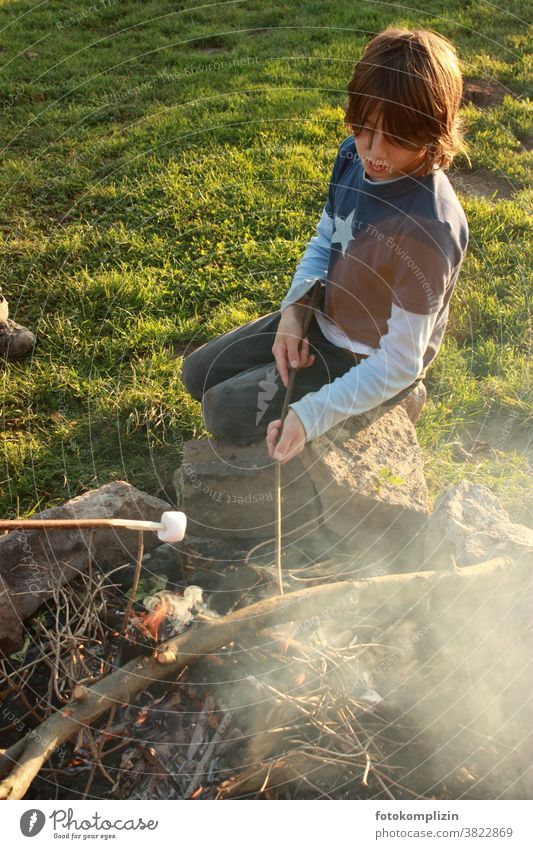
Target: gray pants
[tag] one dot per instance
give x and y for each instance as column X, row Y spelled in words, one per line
column 236, row 379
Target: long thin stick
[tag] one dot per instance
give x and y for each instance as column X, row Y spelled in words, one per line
column 133, row 593
column 135, row 585
column 64, row 524
column 314, row 301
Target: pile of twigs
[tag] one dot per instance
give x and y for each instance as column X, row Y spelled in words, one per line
column 293, row 711
column 314, row 732
column 282, row 721
column 71, row 642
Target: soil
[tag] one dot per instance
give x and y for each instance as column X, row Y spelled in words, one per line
column 484, row 93
column 527, row 142
column 502, row 434
column 480, row 184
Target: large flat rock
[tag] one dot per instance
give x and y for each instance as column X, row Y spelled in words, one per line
column 369, row 478
column 362, row 480
column 229, row 491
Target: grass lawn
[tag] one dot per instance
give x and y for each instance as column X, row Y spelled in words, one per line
column 163, row 166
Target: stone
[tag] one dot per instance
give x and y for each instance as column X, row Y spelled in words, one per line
column 10, row 623
column 229, row 491
column 470, row 523
column 369, row 478
column 362, row 480
column 32, row 563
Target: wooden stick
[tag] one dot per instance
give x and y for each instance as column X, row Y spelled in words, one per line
column 314, row 301
column 135, row 585
column 66, row 524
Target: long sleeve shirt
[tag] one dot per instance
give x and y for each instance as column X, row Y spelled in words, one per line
column 390, row 253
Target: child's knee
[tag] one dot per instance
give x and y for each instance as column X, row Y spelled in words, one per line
column 217, row 413
column 193, row 375
column 224, row 418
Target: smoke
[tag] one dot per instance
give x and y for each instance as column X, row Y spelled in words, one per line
column 430, row 679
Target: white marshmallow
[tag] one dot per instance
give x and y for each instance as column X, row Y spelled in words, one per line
column 175, row 524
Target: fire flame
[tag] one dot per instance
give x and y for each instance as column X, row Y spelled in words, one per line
column 152, row 621
column 178, row 608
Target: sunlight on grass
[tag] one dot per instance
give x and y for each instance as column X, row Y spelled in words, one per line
column 158, row 188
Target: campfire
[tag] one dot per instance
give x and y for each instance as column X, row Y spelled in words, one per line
column 223, row 688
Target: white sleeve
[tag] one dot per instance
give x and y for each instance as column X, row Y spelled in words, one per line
column 392, row 367
column 314, row 262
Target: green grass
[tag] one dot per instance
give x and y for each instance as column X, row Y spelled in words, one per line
column 163, row 167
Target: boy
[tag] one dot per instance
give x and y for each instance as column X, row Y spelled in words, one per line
column 389, row 247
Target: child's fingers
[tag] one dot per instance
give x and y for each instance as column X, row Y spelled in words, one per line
column 273, row 431
column 286, row 448
column 306, row 359
column 293, row 351
column 272, row 436
column 304, row 352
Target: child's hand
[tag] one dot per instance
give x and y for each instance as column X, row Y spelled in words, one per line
column 289, row 348
column 292, row 439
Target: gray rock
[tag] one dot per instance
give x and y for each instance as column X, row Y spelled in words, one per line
column 10, row 624
column 33, row 562
column 469, row 522
column 361, row 479
column 229, row 491
column 369, row 478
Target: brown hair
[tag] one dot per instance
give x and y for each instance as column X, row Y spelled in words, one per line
column 411, row 78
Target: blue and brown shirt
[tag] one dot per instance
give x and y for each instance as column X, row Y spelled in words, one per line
column 390, row 253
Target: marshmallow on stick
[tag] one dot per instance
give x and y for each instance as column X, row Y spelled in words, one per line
column 171, row 528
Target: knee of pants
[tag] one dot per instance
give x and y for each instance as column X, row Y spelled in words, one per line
column 217, row 414
column 193, row 375
column 224, row 420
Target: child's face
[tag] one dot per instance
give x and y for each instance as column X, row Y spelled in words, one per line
column 381, row 157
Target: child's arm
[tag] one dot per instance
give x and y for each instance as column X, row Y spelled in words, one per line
column 393, row 367
column 381, row 376
column 424, row 273
column 314, row 262
column 289, row 349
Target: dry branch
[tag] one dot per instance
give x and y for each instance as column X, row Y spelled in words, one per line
column 379, row 597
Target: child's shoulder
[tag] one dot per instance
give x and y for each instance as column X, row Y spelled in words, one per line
column 348, row 143
column 445, row 204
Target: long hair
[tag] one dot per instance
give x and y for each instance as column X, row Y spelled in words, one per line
column 412, row 80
